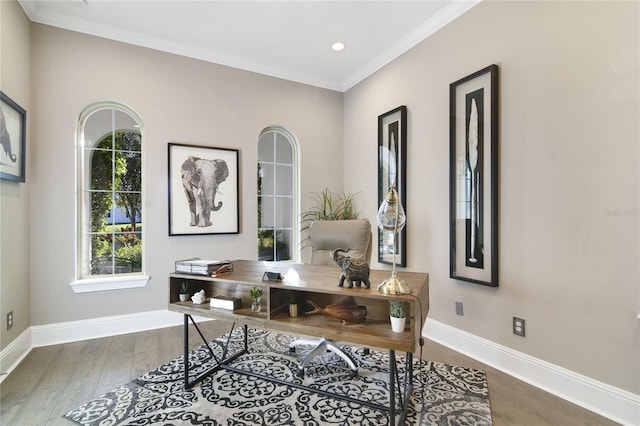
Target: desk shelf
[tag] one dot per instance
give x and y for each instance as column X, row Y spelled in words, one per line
column 306, row 282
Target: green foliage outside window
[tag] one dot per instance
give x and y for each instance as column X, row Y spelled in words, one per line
column 116, row 182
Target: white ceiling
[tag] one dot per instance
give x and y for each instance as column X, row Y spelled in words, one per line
column 284, row 39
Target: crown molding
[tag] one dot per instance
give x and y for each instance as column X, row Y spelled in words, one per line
column 438, row 21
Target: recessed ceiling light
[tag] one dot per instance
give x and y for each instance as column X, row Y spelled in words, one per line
column 337, row 46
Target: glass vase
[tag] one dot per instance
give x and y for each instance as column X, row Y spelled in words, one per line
column 255, row 304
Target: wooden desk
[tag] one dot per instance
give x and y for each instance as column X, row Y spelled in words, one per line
column 316, row 283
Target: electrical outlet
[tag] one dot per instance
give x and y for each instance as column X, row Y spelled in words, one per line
column 9, row 320
column 459, row 309
column 518, row 326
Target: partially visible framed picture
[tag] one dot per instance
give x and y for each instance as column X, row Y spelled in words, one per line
column 392, row 170
column 473, row 177
column 203, row 190
column 13, row 132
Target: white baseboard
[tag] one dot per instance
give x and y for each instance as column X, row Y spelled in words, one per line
column 73, row 331
column 14, row 353
column 611, row 402
column 616, row 404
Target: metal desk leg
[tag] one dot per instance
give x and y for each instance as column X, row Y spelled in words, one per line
column 219, row 363
column 186, row 351
column 405, row 392
column 404, row 389
column 392, row 387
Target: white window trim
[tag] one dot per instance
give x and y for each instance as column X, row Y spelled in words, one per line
column 295, row 146
column 116, row 282
column 110, row 282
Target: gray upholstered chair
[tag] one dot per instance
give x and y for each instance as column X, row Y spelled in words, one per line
column 326, row 236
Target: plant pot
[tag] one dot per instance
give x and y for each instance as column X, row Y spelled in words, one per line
column 255, row 304
column 397, row 324
column 183, row 297
column 293, row 310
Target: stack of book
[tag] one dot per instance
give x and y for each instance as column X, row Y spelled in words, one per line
column 203, row 267
column 225, row 302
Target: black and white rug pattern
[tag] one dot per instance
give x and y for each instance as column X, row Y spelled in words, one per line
column 442, row 394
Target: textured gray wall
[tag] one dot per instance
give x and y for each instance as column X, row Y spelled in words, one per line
column 569, row 176
column 179, row 100
column 15, row 68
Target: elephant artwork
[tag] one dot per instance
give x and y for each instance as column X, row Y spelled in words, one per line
column 5, row 138
column 354, row 270
column 201, row 179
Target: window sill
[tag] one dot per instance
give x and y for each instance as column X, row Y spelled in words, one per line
column 109, row 283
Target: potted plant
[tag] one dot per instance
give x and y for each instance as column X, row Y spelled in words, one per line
column 328, row 206
column 293, row 307
column 183, row 291
column 255, row 294
column 397, row 314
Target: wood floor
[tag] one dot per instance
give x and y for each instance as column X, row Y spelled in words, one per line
column 54, row 379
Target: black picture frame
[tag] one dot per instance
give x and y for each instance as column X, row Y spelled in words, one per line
column 13, row 136
column 473, row 177
column 191, row 167
column 392, row 169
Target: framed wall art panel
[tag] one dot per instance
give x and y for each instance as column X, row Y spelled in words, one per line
column 473, row 177
column 13, row 131
column 203, row 190
column 392, row 170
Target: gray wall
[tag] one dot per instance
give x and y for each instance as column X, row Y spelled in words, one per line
column 179, row 99
column 15, row 68
column 569, row 176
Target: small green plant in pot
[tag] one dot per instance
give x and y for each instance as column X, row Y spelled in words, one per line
column 255, row 294
column 327, row 205
column 397, row 309
column 183, row 291
column 398, row 314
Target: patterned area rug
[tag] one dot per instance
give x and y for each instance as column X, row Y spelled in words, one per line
column 442, row 394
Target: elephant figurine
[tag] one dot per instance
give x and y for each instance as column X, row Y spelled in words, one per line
column 354, row 270
column 201, row 179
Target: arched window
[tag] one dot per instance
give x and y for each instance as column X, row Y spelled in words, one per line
column 109, row 144
column 278, row 198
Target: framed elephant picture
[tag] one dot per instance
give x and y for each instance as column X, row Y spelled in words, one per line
column 203, row 190
column 12, row 138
